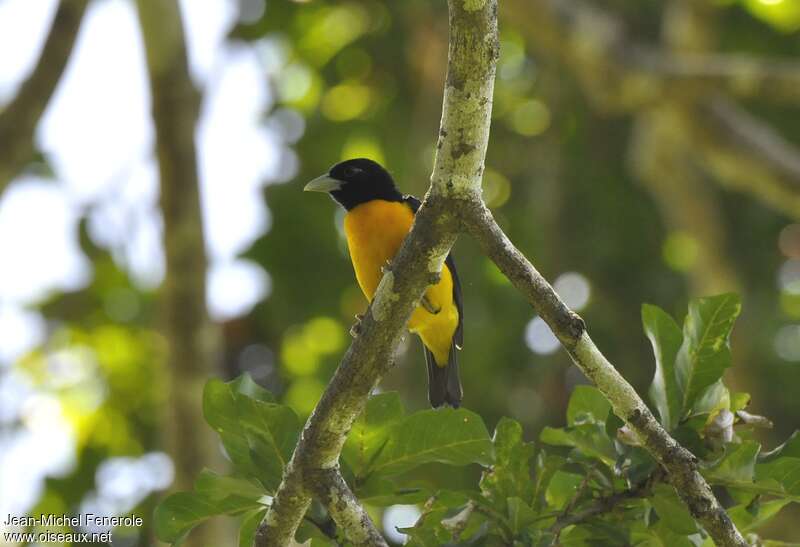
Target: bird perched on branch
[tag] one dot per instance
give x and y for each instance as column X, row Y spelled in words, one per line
column 378, row 219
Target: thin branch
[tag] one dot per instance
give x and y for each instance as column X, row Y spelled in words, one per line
column 330, row 488
column 607, row 504
column 19, row 118
column 452, row 204
column 457, row 171
column 679, row 463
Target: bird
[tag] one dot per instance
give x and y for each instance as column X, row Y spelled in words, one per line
column 377, row 219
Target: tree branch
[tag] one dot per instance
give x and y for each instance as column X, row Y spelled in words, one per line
column 606, row 504
column 679, row 463
column 192, row 340
column 330, row 488
column 19, row 118
column 457, row 172
column 453, row 204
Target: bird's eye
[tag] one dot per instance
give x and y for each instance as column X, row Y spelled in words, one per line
column 352, row 171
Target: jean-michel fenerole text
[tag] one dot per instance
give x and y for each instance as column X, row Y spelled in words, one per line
column 84, row 520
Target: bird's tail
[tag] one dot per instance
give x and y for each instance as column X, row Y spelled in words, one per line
column 444, row 386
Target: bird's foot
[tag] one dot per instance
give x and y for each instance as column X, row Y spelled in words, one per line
column 387, row 267
column 429, row 307
column 355, row 330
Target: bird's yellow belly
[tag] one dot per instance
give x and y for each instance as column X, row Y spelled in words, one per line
column 375, row 230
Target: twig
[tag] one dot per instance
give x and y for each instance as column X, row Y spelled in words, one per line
column 679, row 463
column 606, row 504
column 457, row 172
column 453, row 204
column 345, row 509
column 571, row 505
column 19, row 118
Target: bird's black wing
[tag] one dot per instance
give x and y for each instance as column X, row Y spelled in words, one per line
column 458, row 336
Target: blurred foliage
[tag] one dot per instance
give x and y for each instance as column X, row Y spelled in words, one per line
column 366, row 78
column 589, row 483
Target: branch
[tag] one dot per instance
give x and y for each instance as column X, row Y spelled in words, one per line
column 19, row 118
column 679, row 463
column 606, row 504
column 191, row 338
column 457, row 173
column 453, row 204
column 330, row 488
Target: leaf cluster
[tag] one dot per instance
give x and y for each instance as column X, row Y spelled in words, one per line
column 588, row 483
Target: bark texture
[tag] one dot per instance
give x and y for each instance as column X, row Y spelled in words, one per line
column 454, row 205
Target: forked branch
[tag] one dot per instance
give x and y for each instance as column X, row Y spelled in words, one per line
column 453, row 205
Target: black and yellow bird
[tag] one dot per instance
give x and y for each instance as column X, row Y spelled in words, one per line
column 377, row 220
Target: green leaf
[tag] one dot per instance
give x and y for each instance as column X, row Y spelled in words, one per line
column 520, row 515
column 451, row 436
column 245, row 385
column 382, row 492
column 714, row 398
column 751, row 516
column 672, row 510
column 589, row 439
column 739, row 401
column 562, row 488
column 371, row 431
column 249, row 527
column 546, row 467
column 222, row 414
column 272, row 431
column 636, row 465
column 587, row 405
column 789, row 449
column 428, row 531
column 215, row 486
column 179, row 513
column 661, row 535
column 510, row 476
column 781, row 474
column 705, row 352
column 738, row 463
column 666, row 338
column 775, row 473
column 258, row 436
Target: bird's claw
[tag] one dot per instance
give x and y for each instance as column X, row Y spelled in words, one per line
column 429, row 307
column 355, row 330
column 387, row 267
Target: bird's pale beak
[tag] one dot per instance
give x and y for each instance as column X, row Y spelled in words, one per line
column 325, row 183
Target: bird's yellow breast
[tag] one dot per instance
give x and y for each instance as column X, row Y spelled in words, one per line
column 375, row 230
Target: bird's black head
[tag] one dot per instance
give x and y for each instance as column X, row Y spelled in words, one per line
column 354, row 182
